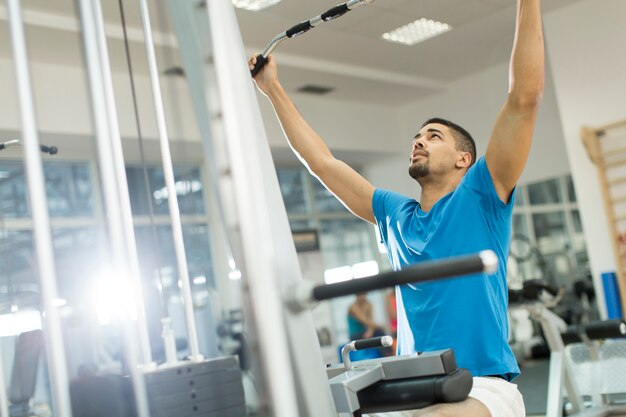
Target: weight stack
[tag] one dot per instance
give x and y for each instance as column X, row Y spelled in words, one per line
column 212, row 388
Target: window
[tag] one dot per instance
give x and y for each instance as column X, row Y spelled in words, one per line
column 550, row 224
column 545, row 192
column 347, row 244
column 292, row 188
column 344, row 239
column 68, row 189
column 188, row 190
column 158, row 258
column 13, row 201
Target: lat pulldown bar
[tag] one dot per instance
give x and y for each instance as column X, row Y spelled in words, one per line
column 303, row 27
column 305, row 295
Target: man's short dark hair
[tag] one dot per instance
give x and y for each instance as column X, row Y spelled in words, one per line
column 464, row 141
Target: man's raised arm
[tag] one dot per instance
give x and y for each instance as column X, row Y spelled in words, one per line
column 354, row 191
column 509, row 144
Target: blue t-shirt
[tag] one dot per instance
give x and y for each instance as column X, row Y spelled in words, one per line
column 468, row 313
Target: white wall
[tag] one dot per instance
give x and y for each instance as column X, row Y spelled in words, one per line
column 61, row 98
column 474, row 102
column 345, row 126
column 586, row 49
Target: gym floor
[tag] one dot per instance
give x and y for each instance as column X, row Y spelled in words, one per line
column 533, row 384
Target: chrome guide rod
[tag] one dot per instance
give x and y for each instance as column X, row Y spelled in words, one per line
column 4, row 401
column 96, row 71
column 41, row 221
column 122, row 185
column 270, row 263
column 172, row 198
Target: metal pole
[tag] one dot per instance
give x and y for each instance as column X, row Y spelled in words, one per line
column 41, row 221
column 172, row 198
column 298, row 385
column 102, row 113
column 122, row 182
column 4, row 401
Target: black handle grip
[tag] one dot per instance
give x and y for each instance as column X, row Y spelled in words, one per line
column 2, row 146
column 606, row 329
column 572, row 334
column 534, row 287
column 372, row 342
column 48, row 149
column 260, row 63
column 422, row 272
column 299, row 29
column 335, row 12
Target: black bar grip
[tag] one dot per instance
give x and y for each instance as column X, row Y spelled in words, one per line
column 572, row 334
column 372, row 342
column 48, row 149
column 422, row 272
column 605, row 329
column 335, row 12
column 533, row 288
column 260, row 63
column 2, row 146
column 299, row 29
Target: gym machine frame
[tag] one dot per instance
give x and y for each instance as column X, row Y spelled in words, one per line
column 557, row 334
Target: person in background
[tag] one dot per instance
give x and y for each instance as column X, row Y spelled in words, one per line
column 361, row 324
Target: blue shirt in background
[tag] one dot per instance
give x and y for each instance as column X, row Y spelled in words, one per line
column 468, row 313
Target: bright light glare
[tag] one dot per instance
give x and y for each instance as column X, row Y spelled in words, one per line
column 234, row 275
column 59, row 302
column 254, row 5
column 113, row 300
column 365, row 269
column 199, row 280
column 333, row 275
column 181, row 187
column 18, row 323
column 417, row 31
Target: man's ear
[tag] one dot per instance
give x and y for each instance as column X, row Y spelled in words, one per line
column 464, row 160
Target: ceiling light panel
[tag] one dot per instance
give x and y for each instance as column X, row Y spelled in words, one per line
column 417, row 31
column 254, row 5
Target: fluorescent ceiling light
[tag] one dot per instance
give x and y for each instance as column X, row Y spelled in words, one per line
column 334, row 275
column 416, row 32
column 254, row 5
column 365, row 269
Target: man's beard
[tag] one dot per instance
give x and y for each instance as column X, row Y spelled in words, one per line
column 419, row 170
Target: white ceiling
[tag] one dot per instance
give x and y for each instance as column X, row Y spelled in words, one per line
column 347, row 54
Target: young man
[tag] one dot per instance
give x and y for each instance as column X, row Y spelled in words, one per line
column 465, row 207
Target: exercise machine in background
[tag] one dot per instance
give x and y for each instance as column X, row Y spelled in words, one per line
column 587, row 361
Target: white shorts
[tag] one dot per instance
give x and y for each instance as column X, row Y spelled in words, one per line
column 502, row 399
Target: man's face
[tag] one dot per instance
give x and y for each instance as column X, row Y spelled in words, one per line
column 433, row 152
